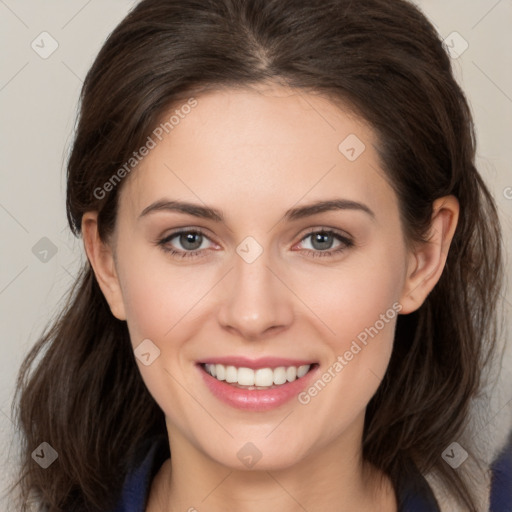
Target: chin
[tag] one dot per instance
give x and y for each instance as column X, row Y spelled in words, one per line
column 258, row 456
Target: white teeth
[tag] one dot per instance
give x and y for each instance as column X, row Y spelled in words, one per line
column 231, row 374
column 291, row 373
column 245, row 376
column 280, row 375
column 220, row 372
column 260, row 378
column 263, row 377
column 302, row 370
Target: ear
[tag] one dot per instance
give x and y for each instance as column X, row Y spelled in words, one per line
column 101, row 258
column 427, row 259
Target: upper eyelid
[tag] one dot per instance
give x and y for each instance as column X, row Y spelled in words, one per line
column 338, row 232
column 342, row 237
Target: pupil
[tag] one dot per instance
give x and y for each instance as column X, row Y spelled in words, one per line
column 189, row 239
column 322, row 238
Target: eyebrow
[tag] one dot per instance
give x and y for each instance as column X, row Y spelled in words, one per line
column 206, row 212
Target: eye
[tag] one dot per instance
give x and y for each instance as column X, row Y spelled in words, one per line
column 322, row 242
column 192, row 243
column 191, row 240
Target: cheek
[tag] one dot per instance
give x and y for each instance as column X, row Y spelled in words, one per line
column 359, row 303
column 357, row 296
column 159, row 302
column 355, row 364
column 158, row 294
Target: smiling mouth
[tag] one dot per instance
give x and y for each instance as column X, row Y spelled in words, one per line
column 257, row 379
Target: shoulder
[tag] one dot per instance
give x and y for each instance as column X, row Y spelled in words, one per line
column 145, row 464
column 501, row 483
column 413, row 491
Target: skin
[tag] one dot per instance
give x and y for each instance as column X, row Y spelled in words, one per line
column 253, row 154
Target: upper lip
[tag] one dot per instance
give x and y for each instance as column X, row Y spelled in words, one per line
column 262, row 362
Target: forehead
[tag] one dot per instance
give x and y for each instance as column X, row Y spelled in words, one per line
column 265, row 146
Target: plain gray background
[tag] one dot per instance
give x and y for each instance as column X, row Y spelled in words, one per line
column 38, row 99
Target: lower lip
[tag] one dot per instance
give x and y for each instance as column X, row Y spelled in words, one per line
column 256, row 399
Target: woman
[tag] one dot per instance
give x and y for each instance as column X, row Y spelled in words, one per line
column 292, row 269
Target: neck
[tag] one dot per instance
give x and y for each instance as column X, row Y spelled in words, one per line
column 334, row 477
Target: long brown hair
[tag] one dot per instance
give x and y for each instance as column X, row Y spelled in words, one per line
column 79, row 388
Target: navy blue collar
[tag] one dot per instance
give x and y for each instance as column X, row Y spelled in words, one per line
column 414, row 493
column 137, row 484
column 501, row 485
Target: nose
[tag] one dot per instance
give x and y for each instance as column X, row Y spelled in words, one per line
column 255, row 300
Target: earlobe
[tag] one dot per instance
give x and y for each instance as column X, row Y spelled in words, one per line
column 101, row 258
column 427, row 259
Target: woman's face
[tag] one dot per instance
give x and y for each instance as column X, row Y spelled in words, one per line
column 271, row 283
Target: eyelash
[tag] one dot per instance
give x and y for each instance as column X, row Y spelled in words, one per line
column 346, row 243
